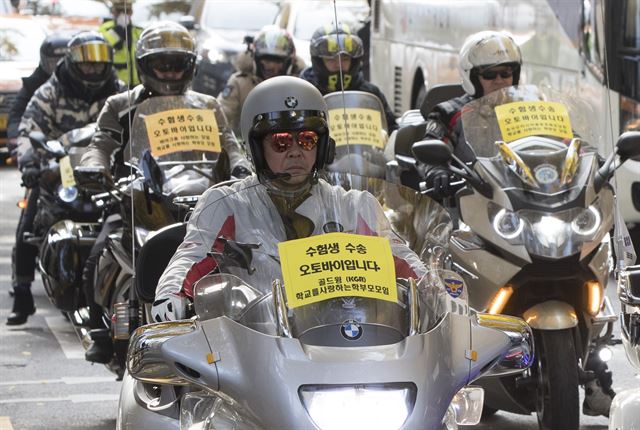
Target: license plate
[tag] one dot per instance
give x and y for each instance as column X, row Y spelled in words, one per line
column 3, row 121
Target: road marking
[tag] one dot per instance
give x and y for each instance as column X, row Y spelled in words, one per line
column 5, row 260
column 5, row 423
column 66, row 337
column 5, row 278
column 74, row 398
column 67, row 381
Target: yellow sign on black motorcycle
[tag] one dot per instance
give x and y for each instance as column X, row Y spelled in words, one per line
column 182, row 130
column 533, row 118
column 337, row 265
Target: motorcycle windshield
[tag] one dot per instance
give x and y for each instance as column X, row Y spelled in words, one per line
column 329, row 265
column 531, row 137
column 179, row 131
column 359, row 127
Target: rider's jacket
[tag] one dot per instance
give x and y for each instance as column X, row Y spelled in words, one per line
column 29, row 86
column 116, row 37
column 443, row 123
column 232, row 97
column 113, row 132
column 61, row 105
column 359, row 83
column 247, row 218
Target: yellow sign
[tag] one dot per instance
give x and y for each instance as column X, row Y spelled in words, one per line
column 337, row 265
column 533, row 118
column 182, row 130
column 66, row 172
column 363, row 126
column 4, row 118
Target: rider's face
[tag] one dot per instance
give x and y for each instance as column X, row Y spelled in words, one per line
column 333, row 64
column 170, row 75
column 294, row 159
column 496, row 78
column 272, row 67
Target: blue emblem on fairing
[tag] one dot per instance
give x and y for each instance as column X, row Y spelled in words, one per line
column 351, row 330
column 454, row 287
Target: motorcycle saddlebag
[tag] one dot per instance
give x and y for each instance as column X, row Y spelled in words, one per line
column 62, row 257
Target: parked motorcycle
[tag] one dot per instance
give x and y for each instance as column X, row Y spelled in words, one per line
column 332, row 351
column 174, row 151
column 625, row 406
column 533, row 239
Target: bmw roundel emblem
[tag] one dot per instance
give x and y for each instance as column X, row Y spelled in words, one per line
column 291, row 102
column 351, row 330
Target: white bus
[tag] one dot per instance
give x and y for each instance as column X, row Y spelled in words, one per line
column 415, row 44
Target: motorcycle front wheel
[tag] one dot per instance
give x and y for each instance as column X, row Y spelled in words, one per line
column 557, row 397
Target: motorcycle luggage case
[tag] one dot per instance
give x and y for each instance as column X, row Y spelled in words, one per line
column 62, row 257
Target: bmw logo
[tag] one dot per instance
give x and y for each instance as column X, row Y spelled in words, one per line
column 291, row 102
column 351, row 330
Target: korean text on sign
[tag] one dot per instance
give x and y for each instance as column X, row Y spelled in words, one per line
column 533, row 118
column 362, row 125
column 337, row 265
column 182, row 130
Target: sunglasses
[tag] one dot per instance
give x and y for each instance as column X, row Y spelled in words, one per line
column 490, row 75
column 282, row 141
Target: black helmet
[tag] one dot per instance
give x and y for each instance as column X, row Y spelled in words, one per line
column 52, row 49
column 166, row 46
column 275, row 43
column 89, row 47
column 284, row 103
column 329, row 42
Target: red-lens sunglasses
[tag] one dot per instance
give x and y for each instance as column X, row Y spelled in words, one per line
column 283, row 140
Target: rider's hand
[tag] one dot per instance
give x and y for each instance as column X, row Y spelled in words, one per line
column 169, row 308
column 438, row 179
column 240, row 172
column 30, row 176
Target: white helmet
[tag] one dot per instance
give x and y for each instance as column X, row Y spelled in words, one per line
column 483, row 50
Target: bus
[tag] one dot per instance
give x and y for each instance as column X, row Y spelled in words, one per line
column 589, row 47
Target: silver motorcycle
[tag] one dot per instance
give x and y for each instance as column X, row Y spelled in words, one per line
column 340, row 353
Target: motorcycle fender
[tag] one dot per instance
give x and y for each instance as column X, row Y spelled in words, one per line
column 551, row 315
column 624, row 410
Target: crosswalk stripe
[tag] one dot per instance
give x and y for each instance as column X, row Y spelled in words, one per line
column 5, row 423
column 75, row 380
column 74, row 398
column 66, row 337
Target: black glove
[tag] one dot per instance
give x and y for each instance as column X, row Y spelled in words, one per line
column 30, row 176
column 438, row 179
column 240, row 172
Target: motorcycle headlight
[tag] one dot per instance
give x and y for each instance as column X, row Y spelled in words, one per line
column 587, row 222
column 203, row 411
column 550, row 231
column 67, row 194
column 508, row 224
column 375, row 406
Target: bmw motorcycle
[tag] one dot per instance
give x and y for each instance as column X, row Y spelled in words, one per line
column 535, row 211
column 174, row 152
column 297, row 343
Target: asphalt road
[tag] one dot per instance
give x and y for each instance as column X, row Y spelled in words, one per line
column 45, row 383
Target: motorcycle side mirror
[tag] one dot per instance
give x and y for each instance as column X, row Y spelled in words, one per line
column 628, row 146
column 153, row 175
column 433, row 152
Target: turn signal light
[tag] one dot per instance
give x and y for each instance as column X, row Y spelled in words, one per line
column 500, row 300
column 22, row 204
column 595, row 297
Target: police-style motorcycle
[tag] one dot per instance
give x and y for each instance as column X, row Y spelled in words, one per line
column 322, row 332
column 535, row 212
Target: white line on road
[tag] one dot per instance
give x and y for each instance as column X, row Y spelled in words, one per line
column 67, row 381
column 74, row 398
column 5, row 260
column 66, row 337
column 5, row 278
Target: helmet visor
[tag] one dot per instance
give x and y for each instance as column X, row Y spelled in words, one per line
column 331, row 45
column 271, row 122
column 94, row 52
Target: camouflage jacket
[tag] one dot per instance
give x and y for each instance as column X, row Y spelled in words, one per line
column 57, row 107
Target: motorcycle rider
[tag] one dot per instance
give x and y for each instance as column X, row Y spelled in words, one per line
column 165, row 59
column 285, row 130
column 488, row 61
column 70, row 99
column 336, row 52
column 272, row 53
column 122, row 35
column 52, row 49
